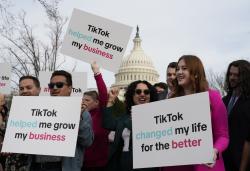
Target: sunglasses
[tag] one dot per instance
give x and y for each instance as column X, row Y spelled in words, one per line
column 56, row 85
column 139, row 91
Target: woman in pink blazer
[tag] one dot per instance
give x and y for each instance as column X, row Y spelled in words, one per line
column 191, row 79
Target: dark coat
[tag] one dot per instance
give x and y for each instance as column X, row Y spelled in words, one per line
column 163, row 95
column 119, row 160
column 239, row 132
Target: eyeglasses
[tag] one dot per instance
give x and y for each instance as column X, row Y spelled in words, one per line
column 139, row 91
column 56, row 85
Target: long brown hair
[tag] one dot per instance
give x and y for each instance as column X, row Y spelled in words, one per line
column 244, row 78
column 197, row 75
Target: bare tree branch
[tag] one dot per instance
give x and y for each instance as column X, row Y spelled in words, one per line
column 28, row 54
column 216, row 81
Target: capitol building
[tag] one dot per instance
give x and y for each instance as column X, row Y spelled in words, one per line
column 136, row 66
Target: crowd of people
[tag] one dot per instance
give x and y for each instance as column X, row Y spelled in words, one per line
column 104, row 140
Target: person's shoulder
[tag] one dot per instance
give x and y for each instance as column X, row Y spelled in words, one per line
column 245, row 101
column 214, row 96
column 85, row 116
column 213, row 92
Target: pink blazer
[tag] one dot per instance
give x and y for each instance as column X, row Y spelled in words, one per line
column 220, row 135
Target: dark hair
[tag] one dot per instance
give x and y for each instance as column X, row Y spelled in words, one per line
column 35, row 80
column 4, row 112
column 172, row 65
column 161, row 85
column 92, row 94
column 244, row 77
column 131, row 91
column 63, row 73
column 197, row 75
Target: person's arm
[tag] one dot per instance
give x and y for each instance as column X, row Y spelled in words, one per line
column 85, row 133
column 108, row 120
column 219, row 124
column 101, row 86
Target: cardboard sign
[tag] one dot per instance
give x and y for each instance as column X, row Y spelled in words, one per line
column 5, row 74
column 172, row 132
column 79, row 80
column 92, row 38
column 43, row 125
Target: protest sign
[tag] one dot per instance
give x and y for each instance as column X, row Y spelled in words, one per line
column 5, row 74
column 43, row 125
column 93, row 38
column 79, row 81
column 172, row 132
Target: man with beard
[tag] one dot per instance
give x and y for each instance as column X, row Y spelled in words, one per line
column 237, row 101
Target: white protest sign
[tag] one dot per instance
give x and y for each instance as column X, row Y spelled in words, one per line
column 5, row 74
column 43, row 125
column 93, row 38
column 172, row 132
column 79, row 81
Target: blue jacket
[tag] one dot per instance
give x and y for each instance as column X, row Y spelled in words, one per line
column 84, row 140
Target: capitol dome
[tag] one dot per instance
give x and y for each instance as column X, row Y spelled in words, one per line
column 136, row 66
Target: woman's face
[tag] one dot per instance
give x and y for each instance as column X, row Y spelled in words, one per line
column 183, row 74
column 141, row 94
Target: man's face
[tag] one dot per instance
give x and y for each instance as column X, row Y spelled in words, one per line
column 171, row 75
column 234, row 75
column 27, row 87
column 90, row 102
column 59, row 86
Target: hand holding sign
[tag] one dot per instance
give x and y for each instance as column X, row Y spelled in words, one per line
column 84, row 106
column 216, row 153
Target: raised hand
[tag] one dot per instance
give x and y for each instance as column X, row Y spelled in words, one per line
column 113, row 93
column 83, row 106
column 95, row 68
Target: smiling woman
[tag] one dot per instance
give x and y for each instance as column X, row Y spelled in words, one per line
column 138, row 92
column 191, row 79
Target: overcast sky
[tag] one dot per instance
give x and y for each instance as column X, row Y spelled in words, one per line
column 218, row 31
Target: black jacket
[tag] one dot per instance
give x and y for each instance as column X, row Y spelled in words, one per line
column 119, row 160
column 239, row 132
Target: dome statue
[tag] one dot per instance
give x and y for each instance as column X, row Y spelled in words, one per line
column 136, row 66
